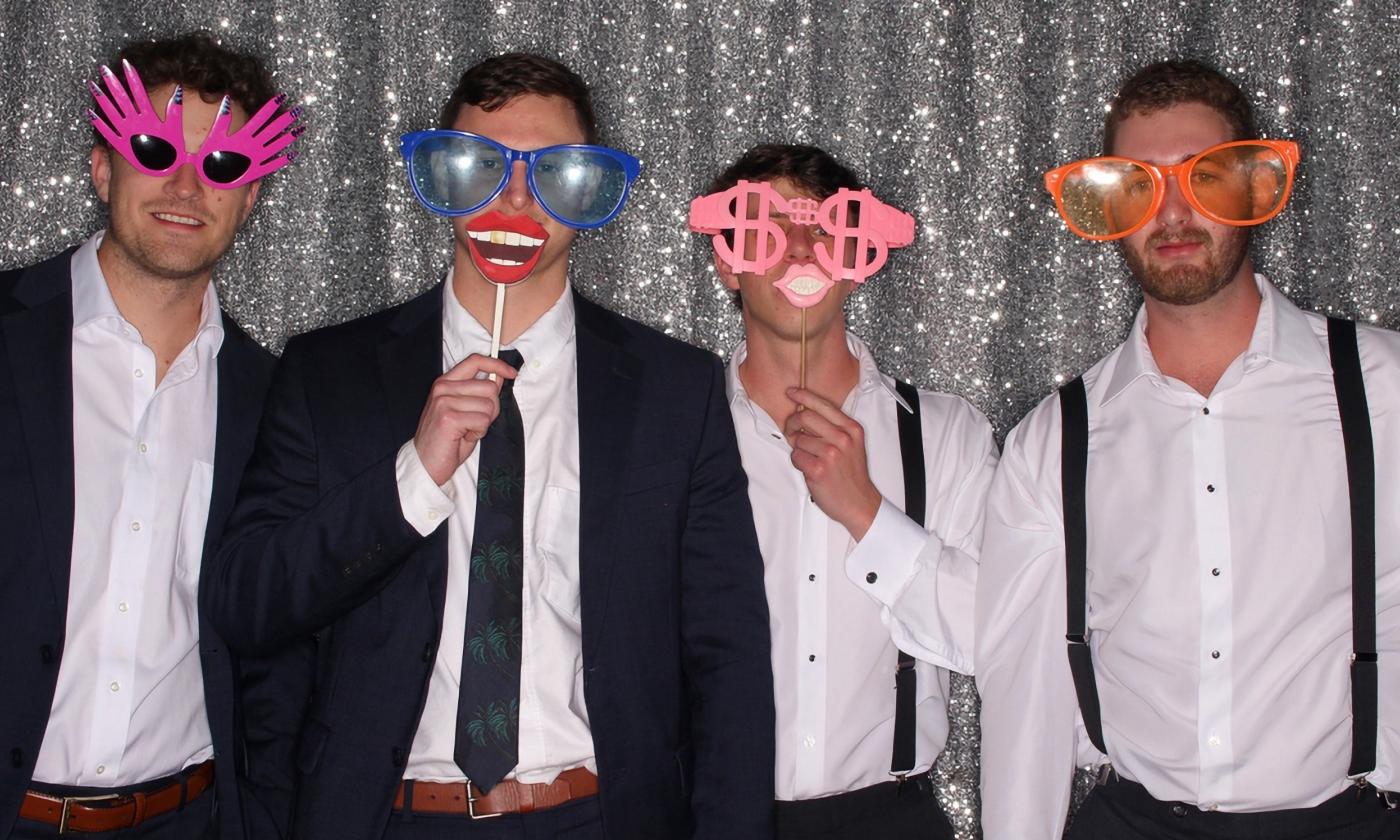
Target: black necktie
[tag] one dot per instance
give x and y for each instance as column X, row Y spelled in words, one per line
column 488, row 705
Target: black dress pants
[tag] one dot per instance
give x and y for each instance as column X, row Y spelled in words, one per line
column 885, row 811
column 1124, row 810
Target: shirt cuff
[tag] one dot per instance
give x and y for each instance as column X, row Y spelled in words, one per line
column 425, row 505
column 887, row 558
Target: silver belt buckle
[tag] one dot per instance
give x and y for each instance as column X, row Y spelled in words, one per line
column 471, row 805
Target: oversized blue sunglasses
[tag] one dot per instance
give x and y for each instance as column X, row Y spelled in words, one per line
column 455, row 172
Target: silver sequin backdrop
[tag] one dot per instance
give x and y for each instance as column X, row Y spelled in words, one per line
column 951, row 109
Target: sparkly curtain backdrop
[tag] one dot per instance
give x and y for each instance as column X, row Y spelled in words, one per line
column 952, row 109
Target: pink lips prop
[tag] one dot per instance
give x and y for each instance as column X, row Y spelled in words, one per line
column 804, row 285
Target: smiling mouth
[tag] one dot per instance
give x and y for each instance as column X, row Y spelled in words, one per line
column 177, row 219
column 505, row 249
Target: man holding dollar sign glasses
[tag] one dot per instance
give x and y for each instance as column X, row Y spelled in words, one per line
column 867, row 496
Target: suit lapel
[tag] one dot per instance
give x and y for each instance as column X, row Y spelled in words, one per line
column 39, row 341
column 409, row 361
column 241, row 388
column 608, row 392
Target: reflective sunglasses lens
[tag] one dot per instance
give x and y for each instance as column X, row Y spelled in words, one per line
column 581, row 186
column 456, row 174
column 1106, row 197
column 152, row 152
column 225, row 167
column 1242, row 184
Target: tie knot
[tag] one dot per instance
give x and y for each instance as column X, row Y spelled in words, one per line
column 513, row 358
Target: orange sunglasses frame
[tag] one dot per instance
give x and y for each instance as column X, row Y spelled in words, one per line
column 1286, row 149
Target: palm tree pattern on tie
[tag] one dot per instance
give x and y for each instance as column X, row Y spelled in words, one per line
column 488, row 704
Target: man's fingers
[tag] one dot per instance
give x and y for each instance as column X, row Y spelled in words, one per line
column 477, row 366
column 811, row 401
column 809, row 423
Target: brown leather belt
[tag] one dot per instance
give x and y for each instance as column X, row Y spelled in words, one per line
column 507, row 797
column 114, row 811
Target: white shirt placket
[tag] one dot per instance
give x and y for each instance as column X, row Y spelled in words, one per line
column 1214, row 693
column 132, row 535
column 812, row 640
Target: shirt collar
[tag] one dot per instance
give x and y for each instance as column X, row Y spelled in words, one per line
column 539, row 345
column 870, row 378
column 1282, row 333
column 93, row 302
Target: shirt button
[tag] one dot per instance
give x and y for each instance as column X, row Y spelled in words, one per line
column 809, row 742
column 135, row 526
column 1205, row 409
column 1215, row 572
column 871, row 577
column 121, row 606
column 141, row 448
column 432, row 515
column 1213, row 741
column 1215, row 654
column 811, row 657
column 138, row 373
column 115, row 686
column 811, row 577
column 1210, row 488
column 101, row 768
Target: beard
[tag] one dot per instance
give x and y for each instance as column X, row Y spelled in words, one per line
column 158, row 261
column 1190, row 284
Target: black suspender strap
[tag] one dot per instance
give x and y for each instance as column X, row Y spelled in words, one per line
column 1361, row 482
column 1074, row 470
column 911, row 453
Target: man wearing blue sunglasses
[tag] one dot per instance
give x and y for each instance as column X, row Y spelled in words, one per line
column 535, row 597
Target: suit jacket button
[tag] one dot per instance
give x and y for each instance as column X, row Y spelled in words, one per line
column 17, row 757
column 46, row 654
column 1178, row 810
column 398, row 756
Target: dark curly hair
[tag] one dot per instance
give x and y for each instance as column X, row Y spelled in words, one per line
column 490, row 84
column 200, row 63
column 1168, row 83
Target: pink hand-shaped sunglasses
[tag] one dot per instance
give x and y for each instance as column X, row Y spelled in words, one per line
column 157, row 147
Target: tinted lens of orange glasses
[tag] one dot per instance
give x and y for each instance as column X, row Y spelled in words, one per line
column 1106, row 197
column 1242, row 184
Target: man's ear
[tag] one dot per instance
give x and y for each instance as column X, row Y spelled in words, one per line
column 727, row 275
column 101, row 170
column 249, row 199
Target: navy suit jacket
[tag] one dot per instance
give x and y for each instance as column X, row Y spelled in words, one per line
column 36, row 518
column 320, row 563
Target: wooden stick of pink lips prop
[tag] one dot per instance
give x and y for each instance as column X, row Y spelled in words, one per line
column 863, row 230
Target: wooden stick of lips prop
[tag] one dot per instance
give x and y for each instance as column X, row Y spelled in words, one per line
column 457, row 173
column 863, row 229
column 505, row 249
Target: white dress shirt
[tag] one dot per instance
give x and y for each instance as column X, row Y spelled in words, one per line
column 1219, row 584
column 838, row 608
column 129, row 704
column 554, row 732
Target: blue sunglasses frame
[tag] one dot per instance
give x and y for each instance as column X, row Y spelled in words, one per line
column 631, row 168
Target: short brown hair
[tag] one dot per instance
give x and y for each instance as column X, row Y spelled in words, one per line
column 1167, row 83
column 492, row 83
column 199, row 62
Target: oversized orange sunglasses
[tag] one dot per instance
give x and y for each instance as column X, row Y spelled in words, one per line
column 1245, row 182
